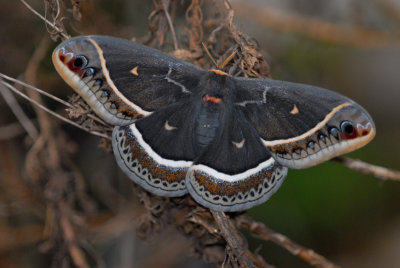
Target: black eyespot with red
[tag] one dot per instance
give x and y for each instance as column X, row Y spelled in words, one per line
column 348, row 130
column 78, row 64
column 80, row 61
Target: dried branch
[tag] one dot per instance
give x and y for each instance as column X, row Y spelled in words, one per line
column 374, row 170
column 60, row 31
column 44, row 108
column 233, row 239
column 267, row 234
column 165, row 5
column 159, row 21
column 6, row 77
column 12, row 103
column 75, row 252
column 252, row 61
column 194, row 17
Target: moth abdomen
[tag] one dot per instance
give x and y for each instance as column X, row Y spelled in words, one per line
column 207, row 124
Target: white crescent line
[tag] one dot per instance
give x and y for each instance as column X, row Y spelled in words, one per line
column 236, row 177
column 156, row 157
column 311, row 131
column 111, row 83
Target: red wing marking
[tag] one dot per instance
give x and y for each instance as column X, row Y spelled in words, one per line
column 212, row 99
column 219, row 72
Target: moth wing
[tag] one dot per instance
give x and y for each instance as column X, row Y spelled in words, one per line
column 122, row 80
column 302, row 125
column 156, row 151
column 235, row 171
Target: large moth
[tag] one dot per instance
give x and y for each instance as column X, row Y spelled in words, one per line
column 227, row 141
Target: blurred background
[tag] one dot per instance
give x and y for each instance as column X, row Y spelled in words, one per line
column 351, row 47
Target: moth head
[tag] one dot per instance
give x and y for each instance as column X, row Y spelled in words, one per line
column 216, row 84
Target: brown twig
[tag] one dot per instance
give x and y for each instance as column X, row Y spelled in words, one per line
column 69, row 235
column 360, row 166
column 6, row 77
column 194, row 17
column 232, row 238
column 253, row 63
column 209, row 54
column 65, row 36
column 267, row 234
column 41, row 106
column 18, row 112
column 165, row 5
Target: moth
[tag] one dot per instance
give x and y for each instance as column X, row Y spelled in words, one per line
column 227, row 141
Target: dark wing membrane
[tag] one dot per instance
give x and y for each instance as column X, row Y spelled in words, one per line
column 236, row 148
column 148, row 77
column 156, row 151
column 235, row 171
column 302, row 125
column 123, row 81
column 168, row 131
column 282, row 110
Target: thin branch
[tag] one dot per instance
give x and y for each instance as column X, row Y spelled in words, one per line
column 377, row 171
column 232, row 237
column 18, row 112
column 267, row 234
column 165, row 4
column 69, row 105
column 209, row 54
column 227, row 60
column 77, row 256
column 37, row 90
column 45, row 20
column 53, row 113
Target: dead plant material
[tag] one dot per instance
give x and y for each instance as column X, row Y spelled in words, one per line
column 376, row 171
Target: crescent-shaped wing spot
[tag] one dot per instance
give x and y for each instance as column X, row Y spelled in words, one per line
column 239, row 144
column 134, row 71
column 295, row 110
column 168, row 127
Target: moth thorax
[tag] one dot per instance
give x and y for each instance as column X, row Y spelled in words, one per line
column 207, row 124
